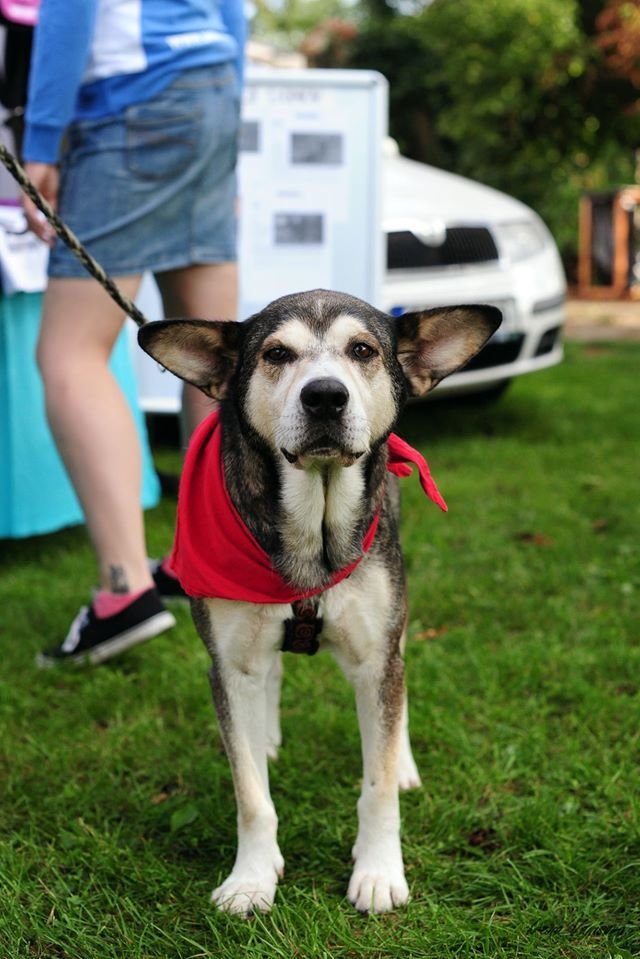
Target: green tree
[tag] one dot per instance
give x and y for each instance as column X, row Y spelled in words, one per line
column 287, row 23
column 517, row 95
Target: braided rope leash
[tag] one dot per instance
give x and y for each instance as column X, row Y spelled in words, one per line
column 70, row 239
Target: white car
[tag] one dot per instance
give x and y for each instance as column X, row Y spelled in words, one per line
column 451, row 240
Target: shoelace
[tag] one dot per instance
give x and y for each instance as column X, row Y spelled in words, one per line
column 75, row 631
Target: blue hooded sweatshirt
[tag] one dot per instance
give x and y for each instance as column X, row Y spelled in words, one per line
column 94, row 58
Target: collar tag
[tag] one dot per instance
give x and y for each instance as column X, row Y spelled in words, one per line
column 301, row 632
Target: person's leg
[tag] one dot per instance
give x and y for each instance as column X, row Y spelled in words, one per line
column 206, row 292
column 92, row 424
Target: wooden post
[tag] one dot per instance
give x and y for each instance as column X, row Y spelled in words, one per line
column 584, row 246
column 623, row 205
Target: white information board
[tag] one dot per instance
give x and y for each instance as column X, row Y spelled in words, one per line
column 311, row 150
column 310, row 197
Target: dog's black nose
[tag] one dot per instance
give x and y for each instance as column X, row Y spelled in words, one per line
column 325, row 398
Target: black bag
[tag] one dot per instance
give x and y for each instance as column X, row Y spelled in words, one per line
column 18, row 18
column 14, row 79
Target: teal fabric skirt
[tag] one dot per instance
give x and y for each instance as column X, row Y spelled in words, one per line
column 35, row 493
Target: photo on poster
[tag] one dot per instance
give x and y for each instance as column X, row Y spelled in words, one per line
column 298, row 229
column 318, row 149
column 249, row 136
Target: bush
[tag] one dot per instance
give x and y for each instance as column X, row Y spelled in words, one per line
column 517, row 95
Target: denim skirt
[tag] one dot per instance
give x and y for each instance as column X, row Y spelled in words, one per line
column 154, row 188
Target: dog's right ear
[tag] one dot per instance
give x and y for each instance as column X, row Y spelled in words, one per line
column 201, row 352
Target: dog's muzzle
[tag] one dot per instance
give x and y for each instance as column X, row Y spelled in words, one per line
column 324, row 399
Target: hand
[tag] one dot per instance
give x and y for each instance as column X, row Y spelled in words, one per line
column 46, row 178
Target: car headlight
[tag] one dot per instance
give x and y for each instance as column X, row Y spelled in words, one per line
column 517, row 241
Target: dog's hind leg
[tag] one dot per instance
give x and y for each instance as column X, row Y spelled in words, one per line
column 408, row 775
column 274, row 684
column 244, row 648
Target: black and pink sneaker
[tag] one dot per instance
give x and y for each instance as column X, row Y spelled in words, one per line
column 167, row 585
column 94, row 640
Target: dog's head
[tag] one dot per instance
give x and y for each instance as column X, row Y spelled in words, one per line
column 321, row 376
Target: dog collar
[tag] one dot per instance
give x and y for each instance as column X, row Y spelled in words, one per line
column 302, row 630
column 215, row 556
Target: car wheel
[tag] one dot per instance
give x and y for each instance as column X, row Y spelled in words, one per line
column 492, row 393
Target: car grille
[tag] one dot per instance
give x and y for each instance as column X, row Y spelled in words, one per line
column 462, row 245
column 547, row 341
column 497, row 353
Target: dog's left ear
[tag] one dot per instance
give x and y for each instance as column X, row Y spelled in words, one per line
column 434, row 343
column 202, row 352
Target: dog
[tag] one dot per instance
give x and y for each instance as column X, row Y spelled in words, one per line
column 296, row 462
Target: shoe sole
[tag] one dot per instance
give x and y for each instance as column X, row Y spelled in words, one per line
column 131, row 637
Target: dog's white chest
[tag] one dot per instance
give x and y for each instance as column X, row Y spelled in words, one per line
column 319, row 513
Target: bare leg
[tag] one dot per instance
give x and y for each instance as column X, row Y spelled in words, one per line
column 207, row 292
column 92, row 423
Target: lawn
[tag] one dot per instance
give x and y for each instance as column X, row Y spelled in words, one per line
column 118, row 818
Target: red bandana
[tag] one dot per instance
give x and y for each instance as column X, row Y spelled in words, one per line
column 214, row 554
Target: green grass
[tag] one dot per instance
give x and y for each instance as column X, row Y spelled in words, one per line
column 117, row 816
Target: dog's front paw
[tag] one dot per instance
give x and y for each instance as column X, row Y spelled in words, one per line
column 374, row 889
column 247, row 890
column 245, row 895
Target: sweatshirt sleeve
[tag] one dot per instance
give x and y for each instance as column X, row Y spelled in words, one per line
column 61, row 49
column 233, row 16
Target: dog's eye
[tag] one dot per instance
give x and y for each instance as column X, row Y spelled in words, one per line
column 277, row 355
column 362, row 351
